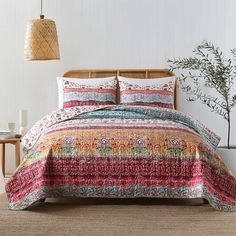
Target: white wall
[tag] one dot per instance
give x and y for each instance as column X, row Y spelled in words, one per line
column 106, row 34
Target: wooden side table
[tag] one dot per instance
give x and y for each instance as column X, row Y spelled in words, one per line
column 3, row 142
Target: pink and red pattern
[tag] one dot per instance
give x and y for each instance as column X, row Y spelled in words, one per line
column 160, row 95
column 149, row 153
column 76, row 94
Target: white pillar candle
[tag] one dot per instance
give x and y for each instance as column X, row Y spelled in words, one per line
column 23, row 121
column 23, row 117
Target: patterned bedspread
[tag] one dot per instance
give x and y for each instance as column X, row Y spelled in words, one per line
column 120, row 152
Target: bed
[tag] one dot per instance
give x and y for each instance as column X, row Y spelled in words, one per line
column 120, row 151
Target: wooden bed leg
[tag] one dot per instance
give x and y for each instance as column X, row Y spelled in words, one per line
column 205, row 201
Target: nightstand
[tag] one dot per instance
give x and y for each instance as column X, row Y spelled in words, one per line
column 3, row 142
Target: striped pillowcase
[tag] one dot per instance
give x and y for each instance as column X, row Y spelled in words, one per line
column 76, row 94
column 151, row 92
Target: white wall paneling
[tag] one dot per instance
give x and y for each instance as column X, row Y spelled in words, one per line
column 107, row 34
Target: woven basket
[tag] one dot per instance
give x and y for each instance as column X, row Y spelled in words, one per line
column 41, row 42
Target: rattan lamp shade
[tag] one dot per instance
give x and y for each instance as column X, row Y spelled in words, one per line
column 41, row 42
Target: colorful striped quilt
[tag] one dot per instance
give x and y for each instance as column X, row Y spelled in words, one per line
column 121, row 152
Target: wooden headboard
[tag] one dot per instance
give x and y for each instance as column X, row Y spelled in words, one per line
column 132, row 73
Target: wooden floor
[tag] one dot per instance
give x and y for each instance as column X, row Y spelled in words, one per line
column 117, row 217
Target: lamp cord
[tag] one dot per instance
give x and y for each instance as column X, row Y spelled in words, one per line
column 41, row 5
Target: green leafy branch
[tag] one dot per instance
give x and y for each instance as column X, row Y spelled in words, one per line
column 208, row 65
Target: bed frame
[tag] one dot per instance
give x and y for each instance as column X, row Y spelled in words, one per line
column 132, row 73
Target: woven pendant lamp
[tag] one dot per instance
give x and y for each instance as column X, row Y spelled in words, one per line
column 41, row 42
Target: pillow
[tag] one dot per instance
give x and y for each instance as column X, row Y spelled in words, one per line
column 148, row 92
column 79, row 92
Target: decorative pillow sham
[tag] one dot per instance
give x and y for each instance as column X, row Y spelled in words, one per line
column 147, row 92
column 80, row 92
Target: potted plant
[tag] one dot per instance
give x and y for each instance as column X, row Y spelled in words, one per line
column 208, row 67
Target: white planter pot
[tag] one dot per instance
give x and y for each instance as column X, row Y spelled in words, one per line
column 229, row 158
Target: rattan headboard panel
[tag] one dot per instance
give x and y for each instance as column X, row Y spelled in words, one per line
column 132, row 73
column 143, row 73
